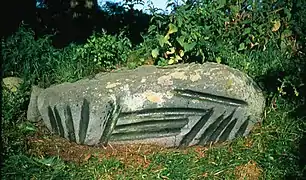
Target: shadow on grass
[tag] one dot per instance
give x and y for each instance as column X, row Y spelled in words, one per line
column 270, row 83
column 300, row 113
column 303, row 156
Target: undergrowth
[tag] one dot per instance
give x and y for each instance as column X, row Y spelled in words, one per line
column 267, row 43
column 272, row 148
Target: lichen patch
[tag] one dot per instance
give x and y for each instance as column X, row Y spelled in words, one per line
column 126, row 88
column 154, row 97
column 195, row 77
column 165, row 80
column 195, row 101
column 134, row 102
column 169, row 95
column 143, row 80
column 112, row 85
column 179, row 75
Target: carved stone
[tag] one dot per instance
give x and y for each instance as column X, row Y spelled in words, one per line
column 177, row 106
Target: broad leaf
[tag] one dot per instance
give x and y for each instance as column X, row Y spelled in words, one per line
column 276, row 25
column 162, row 40
column 171, row 61
column 218, row 60
column 175, row 59
column 172, row 51
column 155, row 53
column 172, row 29
column 181, row 40
column 221, row 3
column 189, row 47
column 247, row 31
column 181, row 53
column 241, row 47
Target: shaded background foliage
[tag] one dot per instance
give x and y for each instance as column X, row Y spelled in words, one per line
column 65, row 40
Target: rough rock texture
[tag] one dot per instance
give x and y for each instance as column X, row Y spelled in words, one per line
column 33, row 113
column 177, row 106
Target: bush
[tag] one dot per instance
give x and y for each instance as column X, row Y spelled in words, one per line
column 208, row 29
column 28, row 58
column 38, row 62
column 257, row 39
column 265, row 40
column 105, row 50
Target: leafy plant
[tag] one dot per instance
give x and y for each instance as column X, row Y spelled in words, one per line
column 28, row 58
column 227, row 32
column 105, row 50
column 263, row 39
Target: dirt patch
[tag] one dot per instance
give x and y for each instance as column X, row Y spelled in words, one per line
column 249, row 171
column 44, row 146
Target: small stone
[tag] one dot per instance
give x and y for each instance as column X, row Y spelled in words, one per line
column 12, row 83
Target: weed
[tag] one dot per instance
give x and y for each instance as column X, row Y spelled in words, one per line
column 264, row 40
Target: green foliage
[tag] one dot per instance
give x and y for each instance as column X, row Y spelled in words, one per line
column 256, row 39
column 12, row 101
column 299, row 16
column 38, row 62
column 25, row 57
column 262, row 39
column 24, row 167
column 14, row 106
column 105, row 50
column 272, row 146
column 208, row 29
column 176, row 165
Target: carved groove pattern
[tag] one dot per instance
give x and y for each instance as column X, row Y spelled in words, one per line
column 156, row 122
column 57, row 126
column 84, row 121
column 195, row 129
column 69, row 124
column 186, row 93
column 110, row 123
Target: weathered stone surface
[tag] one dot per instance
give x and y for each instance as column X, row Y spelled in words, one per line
column 33, row 114
column 178, row 106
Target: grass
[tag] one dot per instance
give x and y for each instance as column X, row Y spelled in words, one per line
column 274, row 150
column 270, row 152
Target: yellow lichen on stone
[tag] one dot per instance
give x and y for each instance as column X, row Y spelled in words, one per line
column 179, row 75
column 165, row 80
column 229, row 83
column 134, row 102
column 143, row 80
column 154, row 97
column 195, row 77
column 169, row 95
column 109, row 85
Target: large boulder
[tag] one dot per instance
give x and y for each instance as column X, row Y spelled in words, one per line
column 176, row 106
